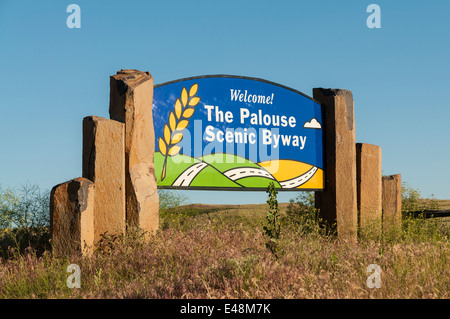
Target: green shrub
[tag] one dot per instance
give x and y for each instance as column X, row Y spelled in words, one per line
column 412, row 200
column 302, row 214
column 180, row 216
column 28, row 207
column 16, row 241
column 272, row 229
column 24, row 220
column 170, row 198
column 416, row 227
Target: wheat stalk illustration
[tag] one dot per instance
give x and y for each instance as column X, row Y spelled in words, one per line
column 178, row 121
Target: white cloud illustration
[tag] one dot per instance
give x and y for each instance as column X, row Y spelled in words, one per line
column 313, row 124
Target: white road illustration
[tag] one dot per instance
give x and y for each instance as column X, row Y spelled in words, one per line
column 186, row 178
column 241, row 172
column 188, row 175
column 300, row 180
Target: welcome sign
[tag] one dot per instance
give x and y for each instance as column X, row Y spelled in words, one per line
column 236, row 133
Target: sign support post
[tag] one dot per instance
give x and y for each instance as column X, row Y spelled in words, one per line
column 337, row 204
column 131, row 98
column 392, row 203
column 368, row 164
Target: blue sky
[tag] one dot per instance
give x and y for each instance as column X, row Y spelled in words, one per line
column 53, row 76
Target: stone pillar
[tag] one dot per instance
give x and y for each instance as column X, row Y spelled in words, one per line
column 72, row 217
column 369, row 186
column 104, row 164
column 392, row 203
column 337, row 203
column 131, row 98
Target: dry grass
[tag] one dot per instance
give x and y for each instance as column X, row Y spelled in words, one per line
column 441, row 204
column 212, row 253
column 444, row 204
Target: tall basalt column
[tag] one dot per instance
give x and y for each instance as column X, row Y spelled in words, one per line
column 131, row 98
column 72, row 217
column 392, row 203
column 369, row 184
column 104, row 164
column 338, row 202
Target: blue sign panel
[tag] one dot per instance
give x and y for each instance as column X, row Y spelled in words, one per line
column 229, row 132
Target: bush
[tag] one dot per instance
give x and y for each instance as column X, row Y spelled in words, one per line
column 302, row 213
column 24, row 220
column 412, row 200
column 27, row 208
column 169, row 199
column 272, row 228
column 171, row 213
column 17, row 241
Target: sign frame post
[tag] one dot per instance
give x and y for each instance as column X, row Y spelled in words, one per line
column 337, row 204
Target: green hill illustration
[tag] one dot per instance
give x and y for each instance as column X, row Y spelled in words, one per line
column 214, row 170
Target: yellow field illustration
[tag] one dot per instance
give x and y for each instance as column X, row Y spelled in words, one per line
column 294, row 174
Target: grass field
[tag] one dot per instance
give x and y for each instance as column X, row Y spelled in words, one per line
column 207, row 251
column 444, row 204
